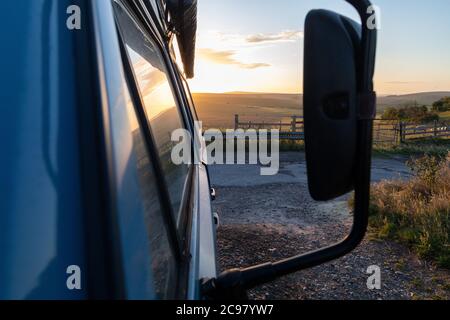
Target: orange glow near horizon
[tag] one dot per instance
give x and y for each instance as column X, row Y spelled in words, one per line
column 262, row 50
column 213, row 77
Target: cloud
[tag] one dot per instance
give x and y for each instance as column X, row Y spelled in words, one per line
column 227, row 57
column 405, row 82
column 213, row 37
column 288, row 35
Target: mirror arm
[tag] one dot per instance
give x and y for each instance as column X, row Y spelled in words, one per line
column 369, row 39
column 233, row 283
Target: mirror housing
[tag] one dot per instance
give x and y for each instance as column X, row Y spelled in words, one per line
column 330, row 102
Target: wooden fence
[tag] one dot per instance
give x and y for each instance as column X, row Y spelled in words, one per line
column 384, row 131
column 292, row 130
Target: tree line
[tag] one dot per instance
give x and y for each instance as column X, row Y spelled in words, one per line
column 417, row 113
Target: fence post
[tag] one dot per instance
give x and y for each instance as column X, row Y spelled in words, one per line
column 236, row 121
column 402, row 131
column 294, row 124
column 378, row 132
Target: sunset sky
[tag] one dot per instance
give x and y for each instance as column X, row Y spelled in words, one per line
column 257, row 45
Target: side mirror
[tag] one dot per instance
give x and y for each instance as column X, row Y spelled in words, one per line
column 330, row 102
column 339, row 104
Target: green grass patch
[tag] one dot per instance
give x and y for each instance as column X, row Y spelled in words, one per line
column 437, row 147
column 291, row 145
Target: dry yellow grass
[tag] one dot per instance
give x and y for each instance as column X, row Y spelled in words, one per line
column 218, row 110
column 416, row 212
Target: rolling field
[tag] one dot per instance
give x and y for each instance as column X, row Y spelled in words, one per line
column 445, row 115
column 218, row 110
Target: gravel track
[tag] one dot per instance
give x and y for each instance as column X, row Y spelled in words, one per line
column 263, row 222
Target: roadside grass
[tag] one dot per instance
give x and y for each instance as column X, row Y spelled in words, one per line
column 291, row 145
column 437, row 148
column 285, row 145
column 416, row 212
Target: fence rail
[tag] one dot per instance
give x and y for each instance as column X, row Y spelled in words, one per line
column 384, row 131
column 293, row 130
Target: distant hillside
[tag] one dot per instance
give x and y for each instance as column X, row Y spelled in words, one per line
column 218, row 110
column 424, row 98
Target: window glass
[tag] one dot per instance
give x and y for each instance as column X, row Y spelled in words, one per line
column 162, row 260
column 190, row 101
column 175, row 48
column 163, row 113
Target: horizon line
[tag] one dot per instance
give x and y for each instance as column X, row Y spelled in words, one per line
column 301, row 93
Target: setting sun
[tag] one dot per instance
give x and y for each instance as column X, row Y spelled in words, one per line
column 260, row 48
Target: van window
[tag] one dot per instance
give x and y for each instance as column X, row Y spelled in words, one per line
column 149, row 260
column 161, row 107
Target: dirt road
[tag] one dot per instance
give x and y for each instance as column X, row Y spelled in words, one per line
column 268, row 218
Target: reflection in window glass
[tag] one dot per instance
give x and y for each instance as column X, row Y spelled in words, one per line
column 160, row 105
column 162, row 260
